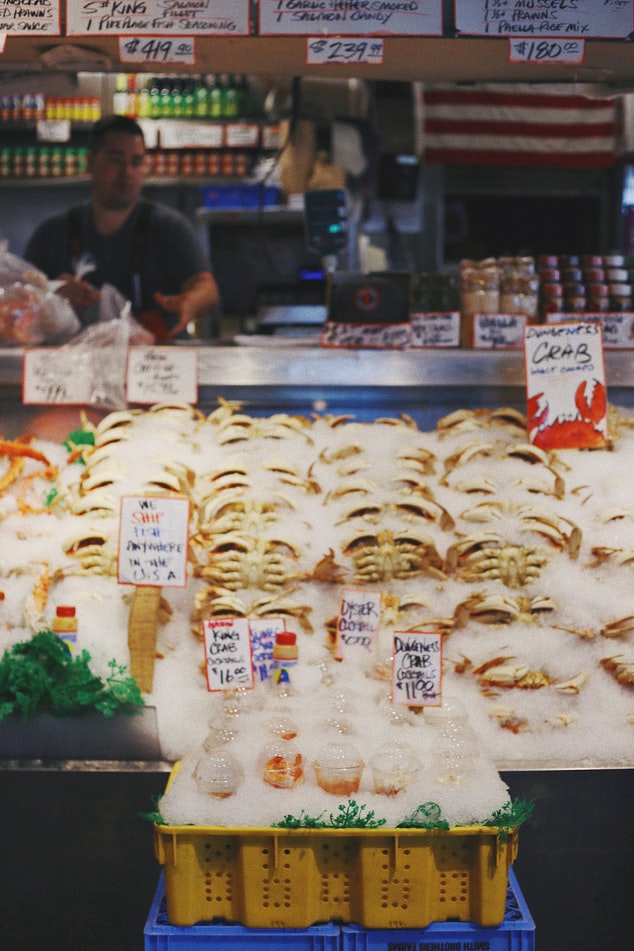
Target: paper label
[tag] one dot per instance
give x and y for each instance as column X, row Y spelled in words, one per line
column 351, row 50
column 57, row 376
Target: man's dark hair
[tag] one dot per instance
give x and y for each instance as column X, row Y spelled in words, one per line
column 112, row 124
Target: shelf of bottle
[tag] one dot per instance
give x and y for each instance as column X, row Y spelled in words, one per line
column 154, row 181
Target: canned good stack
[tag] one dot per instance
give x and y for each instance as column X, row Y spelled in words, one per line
column 197, row 163
column 22, row 107
column 589, row 283
column 75, row 108
column 43, row 161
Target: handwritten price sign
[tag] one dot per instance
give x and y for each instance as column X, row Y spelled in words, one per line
column 352, row 50
column 158, row 49
column 227, row 653
column 56, row 376
column 417, row 669
column 547, row 51
column 358, row 621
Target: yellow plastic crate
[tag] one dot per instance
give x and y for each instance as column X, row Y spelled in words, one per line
column 294, row 878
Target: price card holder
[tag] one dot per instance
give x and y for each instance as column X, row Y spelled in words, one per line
column 417, row 669
column 162, row 375
column 228, row 661
column 352, row 49
column 498, row 331
column 358, row 622
column 57, row 376
column 545, row 52
column 158, row 49
column 153, row 538
column 436, row 330
column 565, row 386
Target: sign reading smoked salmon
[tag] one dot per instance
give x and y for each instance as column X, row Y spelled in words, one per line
column 565, row 385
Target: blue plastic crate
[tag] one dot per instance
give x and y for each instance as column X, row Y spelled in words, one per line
column 160, row 935
column 516, row 933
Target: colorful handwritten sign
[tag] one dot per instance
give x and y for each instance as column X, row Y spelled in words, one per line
column 263, row 631
column 162, row 374
column 153, row 535
column 417, row 669
column 358, row 621
column 565, row 385
column 228, row 664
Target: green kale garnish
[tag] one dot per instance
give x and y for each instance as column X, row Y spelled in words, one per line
column 41, row 675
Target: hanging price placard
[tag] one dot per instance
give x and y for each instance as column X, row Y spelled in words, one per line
column 546, row 51
column 158, row 49
column 351, row 50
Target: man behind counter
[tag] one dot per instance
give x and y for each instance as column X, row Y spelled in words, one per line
column 148, row 251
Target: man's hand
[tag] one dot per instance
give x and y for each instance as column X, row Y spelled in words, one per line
column 199, row 295
column 79, row 294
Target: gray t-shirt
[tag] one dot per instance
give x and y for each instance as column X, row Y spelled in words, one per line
column 165, row 251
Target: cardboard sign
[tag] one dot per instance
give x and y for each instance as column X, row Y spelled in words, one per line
column 228, row 662
column 565, row 386
column 162, row 374
column 498, row 331
column 358, row 621
column 153, row 535
column 263, row 631
column 355, row 336
column 436, row 330
column 417, row 669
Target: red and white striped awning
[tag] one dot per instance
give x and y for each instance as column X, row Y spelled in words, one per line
column 517, row 124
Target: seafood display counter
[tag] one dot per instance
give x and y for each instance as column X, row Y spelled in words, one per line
column 75, row 838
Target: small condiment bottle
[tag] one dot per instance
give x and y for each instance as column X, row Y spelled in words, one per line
column 65, row 625
column 552, row 299
column 574, row 298
column 620, row 297
column 285, row 650
column 598, row 298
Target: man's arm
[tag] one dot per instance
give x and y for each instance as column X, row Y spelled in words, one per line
column 198, row 295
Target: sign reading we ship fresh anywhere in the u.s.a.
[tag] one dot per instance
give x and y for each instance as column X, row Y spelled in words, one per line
column 153, row 537
column 565, row 385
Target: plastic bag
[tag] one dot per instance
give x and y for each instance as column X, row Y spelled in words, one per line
column 30, row 312
column 100, row 349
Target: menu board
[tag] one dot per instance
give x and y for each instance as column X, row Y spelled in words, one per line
column 158, row 17
column 37, row 18
column 584, row 18
column 350, row 17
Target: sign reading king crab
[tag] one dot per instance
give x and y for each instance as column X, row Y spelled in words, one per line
column 565, row 386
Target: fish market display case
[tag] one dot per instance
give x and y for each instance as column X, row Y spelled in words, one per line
column 75, row 838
